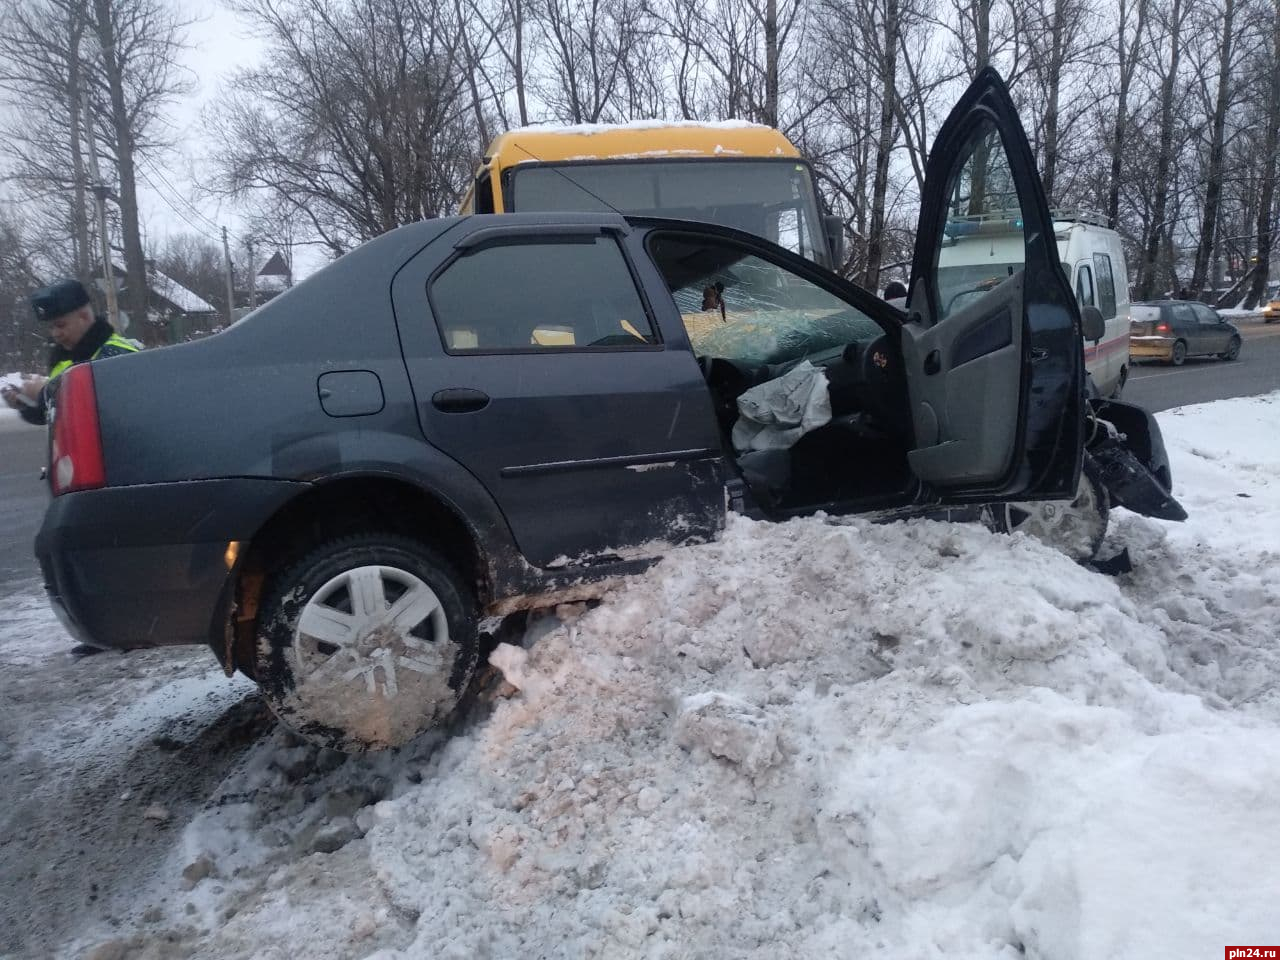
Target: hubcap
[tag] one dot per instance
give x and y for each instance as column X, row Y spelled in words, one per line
column 375, row 629
column 1075, row 527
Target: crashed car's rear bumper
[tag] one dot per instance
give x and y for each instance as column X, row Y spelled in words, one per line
column 1148, row 348
column 146, row 566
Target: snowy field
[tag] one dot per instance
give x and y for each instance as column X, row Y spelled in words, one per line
column 812, row 739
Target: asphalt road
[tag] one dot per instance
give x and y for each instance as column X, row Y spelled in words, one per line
column 23, row 496
column 1158, row 386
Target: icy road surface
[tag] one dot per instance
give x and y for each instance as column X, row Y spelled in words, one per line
column 809, row 740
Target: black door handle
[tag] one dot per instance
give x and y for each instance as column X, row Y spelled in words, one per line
column 933, row 362
column 460, row 400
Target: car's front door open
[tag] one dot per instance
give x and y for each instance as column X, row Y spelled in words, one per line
column 992, row 351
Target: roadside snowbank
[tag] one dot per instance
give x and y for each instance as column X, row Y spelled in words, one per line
column 818, row 739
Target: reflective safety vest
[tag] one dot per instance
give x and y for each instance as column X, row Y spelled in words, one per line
column 113, row 346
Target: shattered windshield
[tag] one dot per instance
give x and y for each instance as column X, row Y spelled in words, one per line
column 741, row 307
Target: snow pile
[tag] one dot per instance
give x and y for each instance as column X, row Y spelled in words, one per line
column 822, row 738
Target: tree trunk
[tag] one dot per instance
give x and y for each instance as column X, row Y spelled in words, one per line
column 1164, row 159
column 1266, row 205
column 134, row 262
column 1127, row 58
column 884, row 147
column 1056, row 57
column 517, row 7
column 79, row 197
column 1213, row 182
column 771, row 63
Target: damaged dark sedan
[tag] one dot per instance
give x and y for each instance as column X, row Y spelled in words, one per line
column 477, row 415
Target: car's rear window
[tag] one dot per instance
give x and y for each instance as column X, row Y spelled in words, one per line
column 1140, row 313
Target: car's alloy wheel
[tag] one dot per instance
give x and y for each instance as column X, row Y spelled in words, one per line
column 1076, row 527
column 1233, row 349
column 1179, row 354
column 366, row 643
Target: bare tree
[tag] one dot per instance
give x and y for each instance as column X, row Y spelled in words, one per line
column 1130, row 37
column 43, row 72
column 1060, row 36
column 1219, row 22
column 1167, row 69
column 358, row 120
column 1270, row 147
column 137, row 78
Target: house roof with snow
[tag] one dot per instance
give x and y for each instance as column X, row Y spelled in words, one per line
column 164, row 287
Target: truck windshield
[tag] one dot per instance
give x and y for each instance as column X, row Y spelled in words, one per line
column 773, row 199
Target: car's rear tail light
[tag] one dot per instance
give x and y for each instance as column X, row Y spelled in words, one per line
column 75, row 449
column 1162, row 328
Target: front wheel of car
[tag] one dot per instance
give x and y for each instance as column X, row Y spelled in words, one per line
column 1233, row 350
column 1178, row 354
column 1076, row 527
column 367, row 642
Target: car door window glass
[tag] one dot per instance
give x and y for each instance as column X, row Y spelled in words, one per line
column 1084, row 287
column 1183, row 315
column 1106, row 285
column 740, row 306
column 541, row 296
column 983, row 242
column 1207, row 317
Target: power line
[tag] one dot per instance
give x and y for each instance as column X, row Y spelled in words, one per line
column 178, row 193
column 168, row 202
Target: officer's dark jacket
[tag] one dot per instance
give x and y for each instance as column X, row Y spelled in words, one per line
column 99, row 341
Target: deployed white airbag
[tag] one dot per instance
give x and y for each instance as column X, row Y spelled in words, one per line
column 774, row 415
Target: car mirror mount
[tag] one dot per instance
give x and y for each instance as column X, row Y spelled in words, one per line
column 1093, row 326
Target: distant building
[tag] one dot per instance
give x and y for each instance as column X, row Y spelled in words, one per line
column 181, row 312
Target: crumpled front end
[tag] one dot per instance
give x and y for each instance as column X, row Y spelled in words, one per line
column 1128, row 449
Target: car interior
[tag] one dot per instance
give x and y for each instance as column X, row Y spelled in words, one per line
column 773, row 320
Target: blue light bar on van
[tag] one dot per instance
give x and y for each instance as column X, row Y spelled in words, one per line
column 981, row 227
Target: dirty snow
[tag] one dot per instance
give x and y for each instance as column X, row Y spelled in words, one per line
column 811, row 739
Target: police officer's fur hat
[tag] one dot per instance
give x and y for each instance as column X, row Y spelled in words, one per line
column 58, row 299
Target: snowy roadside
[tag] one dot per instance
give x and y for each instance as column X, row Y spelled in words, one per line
column 810, row 739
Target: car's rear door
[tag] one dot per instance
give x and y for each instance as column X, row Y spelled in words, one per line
column 536, row 363
column 996, row 376
column 1214, row 332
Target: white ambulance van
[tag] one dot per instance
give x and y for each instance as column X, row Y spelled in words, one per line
column 985, row 249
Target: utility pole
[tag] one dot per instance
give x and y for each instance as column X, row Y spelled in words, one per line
column 100, row 204
column 231, row 295
column 253, row 275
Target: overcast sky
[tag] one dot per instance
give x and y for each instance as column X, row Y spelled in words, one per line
column 169, row 198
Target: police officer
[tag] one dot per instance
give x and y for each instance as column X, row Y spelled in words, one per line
column 78, row 335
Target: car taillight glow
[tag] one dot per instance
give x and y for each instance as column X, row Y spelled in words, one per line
column 1162, row 328
column 75, row 450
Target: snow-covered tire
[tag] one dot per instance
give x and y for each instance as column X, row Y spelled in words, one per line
column 1076, row 527
column 366, row 642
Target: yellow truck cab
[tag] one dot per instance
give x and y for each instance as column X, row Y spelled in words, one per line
column 733, row 173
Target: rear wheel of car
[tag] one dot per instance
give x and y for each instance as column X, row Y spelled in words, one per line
column 1076, row 527
column 366, row 642
column 1178, row 354
column 1233, row 350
